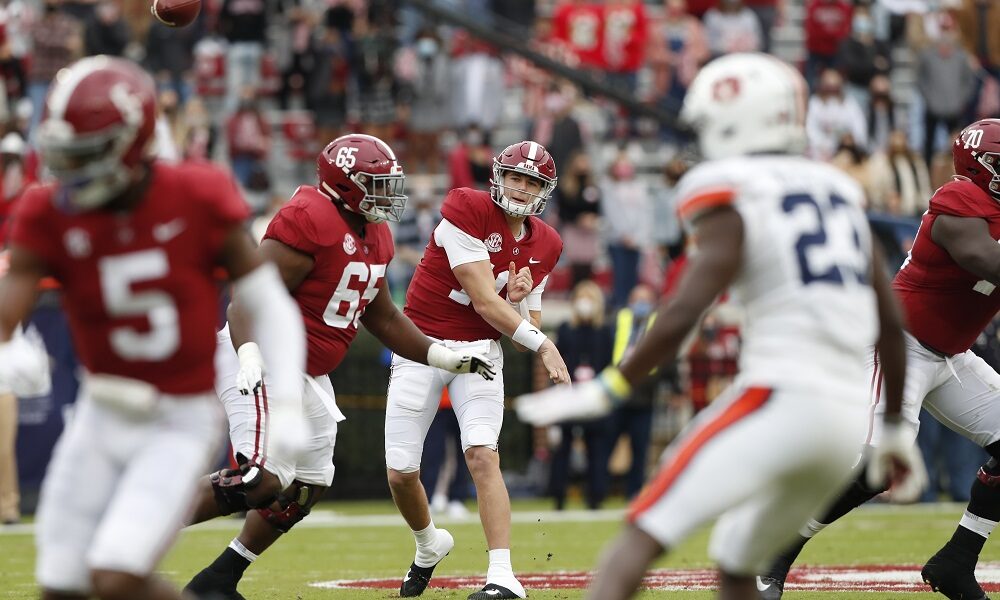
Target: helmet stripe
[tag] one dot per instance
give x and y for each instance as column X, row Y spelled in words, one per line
column 533, row 151
column 66, row 82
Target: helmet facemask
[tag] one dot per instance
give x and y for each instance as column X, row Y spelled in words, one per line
column 384, row 198
column 991, row 162
column 501, row 192
column 88, row 167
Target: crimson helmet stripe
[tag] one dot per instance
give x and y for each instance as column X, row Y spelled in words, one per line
column 67, row 80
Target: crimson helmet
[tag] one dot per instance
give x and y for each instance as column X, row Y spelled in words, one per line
column 362, row 172
column 976, row 154
column 97, row 126
column 530, row 159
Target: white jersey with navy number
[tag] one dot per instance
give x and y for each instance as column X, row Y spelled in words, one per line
column 804, row 283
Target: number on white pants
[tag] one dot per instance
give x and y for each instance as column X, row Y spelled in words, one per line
column 118, row 274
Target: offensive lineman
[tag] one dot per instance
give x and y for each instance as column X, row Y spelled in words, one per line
column 788, row 238
column 947, row 289
column 331, row 245
column 134, row 244
column 476, row 282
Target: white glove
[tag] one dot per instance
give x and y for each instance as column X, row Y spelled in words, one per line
column 251, row 374
column 445, row 358
column 896, row 461
column 24, row 365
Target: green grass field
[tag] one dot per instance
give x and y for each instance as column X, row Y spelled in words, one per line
column 364, row 540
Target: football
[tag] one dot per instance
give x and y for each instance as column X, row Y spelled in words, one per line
column 176, row 13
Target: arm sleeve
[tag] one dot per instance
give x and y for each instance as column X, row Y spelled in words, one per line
column 460, row 247
column 27, row 225
column 228, row 208
column 534, row 298
column 293, row 228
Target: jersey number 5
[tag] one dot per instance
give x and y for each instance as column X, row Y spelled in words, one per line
column 341, row 317
column 822, row 259
column 118, row 274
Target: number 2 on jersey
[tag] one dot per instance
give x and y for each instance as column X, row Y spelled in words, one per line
column 356, row 301
column 820, row 258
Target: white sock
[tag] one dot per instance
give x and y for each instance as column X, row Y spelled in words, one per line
column 976, row 524
column 499, row 564
column 811, row 528
column 242, row 550
column 426, row 536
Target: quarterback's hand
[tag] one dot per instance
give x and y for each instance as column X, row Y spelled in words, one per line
column 518, row 283
column 24, row 365
column 251, row 374
column 896, row 463
column 564, row 403
column 455, row 362
column 555, row 366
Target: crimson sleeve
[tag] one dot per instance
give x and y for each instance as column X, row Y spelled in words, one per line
column 28, row 224
column 465, row 212
column 293, row 228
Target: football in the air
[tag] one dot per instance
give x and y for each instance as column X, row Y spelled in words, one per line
column 176, row 13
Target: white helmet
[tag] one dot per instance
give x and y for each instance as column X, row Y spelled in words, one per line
column 747, row 103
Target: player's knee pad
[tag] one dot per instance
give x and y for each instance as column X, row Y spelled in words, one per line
column 292, row 505
column 400, row 460
column 230, row 486
column 481, row 435
column 989, row 474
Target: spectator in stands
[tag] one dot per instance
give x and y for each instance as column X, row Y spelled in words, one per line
column 57, row 41
column 979, row 23
column 299, row 64
column 556, row 128
column 328, row 89
column 852, row 158
column 907, row 188
column 197, row 134
column 579, row 25
column 477, row 80
column 579, row 201
column 827, row 23
column 413, row 232
column 831, row 114
column 106, row 32
column 668, row 233
column 248, row 136
column 678, row 48
column 375, row 81
column 860, row 57
column 881, row 111
column 170, row 55
column 426, row 69
column 244, row 25
column 942, row 165
column 767, row 12
column 947, row 84
column 585, row 344
column 623, row 198
column 470, row 162
column 635, row 416
column 732, row 27
column 626, row 35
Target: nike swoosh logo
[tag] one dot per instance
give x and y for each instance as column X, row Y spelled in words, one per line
column 532, row 261
column 761, row 587
column 493, row 592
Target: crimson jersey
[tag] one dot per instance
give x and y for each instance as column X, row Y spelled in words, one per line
column 139, row 288
column 435, row 301
column 946, row 306
column 348, row 272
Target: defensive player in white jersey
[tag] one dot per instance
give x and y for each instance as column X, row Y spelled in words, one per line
column 482, row 275
column 788, row 238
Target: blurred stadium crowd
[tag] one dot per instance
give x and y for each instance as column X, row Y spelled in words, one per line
column 262, row 85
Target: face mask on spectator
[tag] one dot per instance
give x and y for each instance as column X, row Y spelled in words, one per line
column 427, row 47
column 862, row 25
column 584, row 308
column 641, row 309
column 622, row 170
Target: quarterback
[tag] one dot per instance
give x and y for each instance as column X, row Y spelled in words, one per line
column 482, row 276
column 947, row 287
column 331, row 244
column 788, row 238
column 134, row 244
